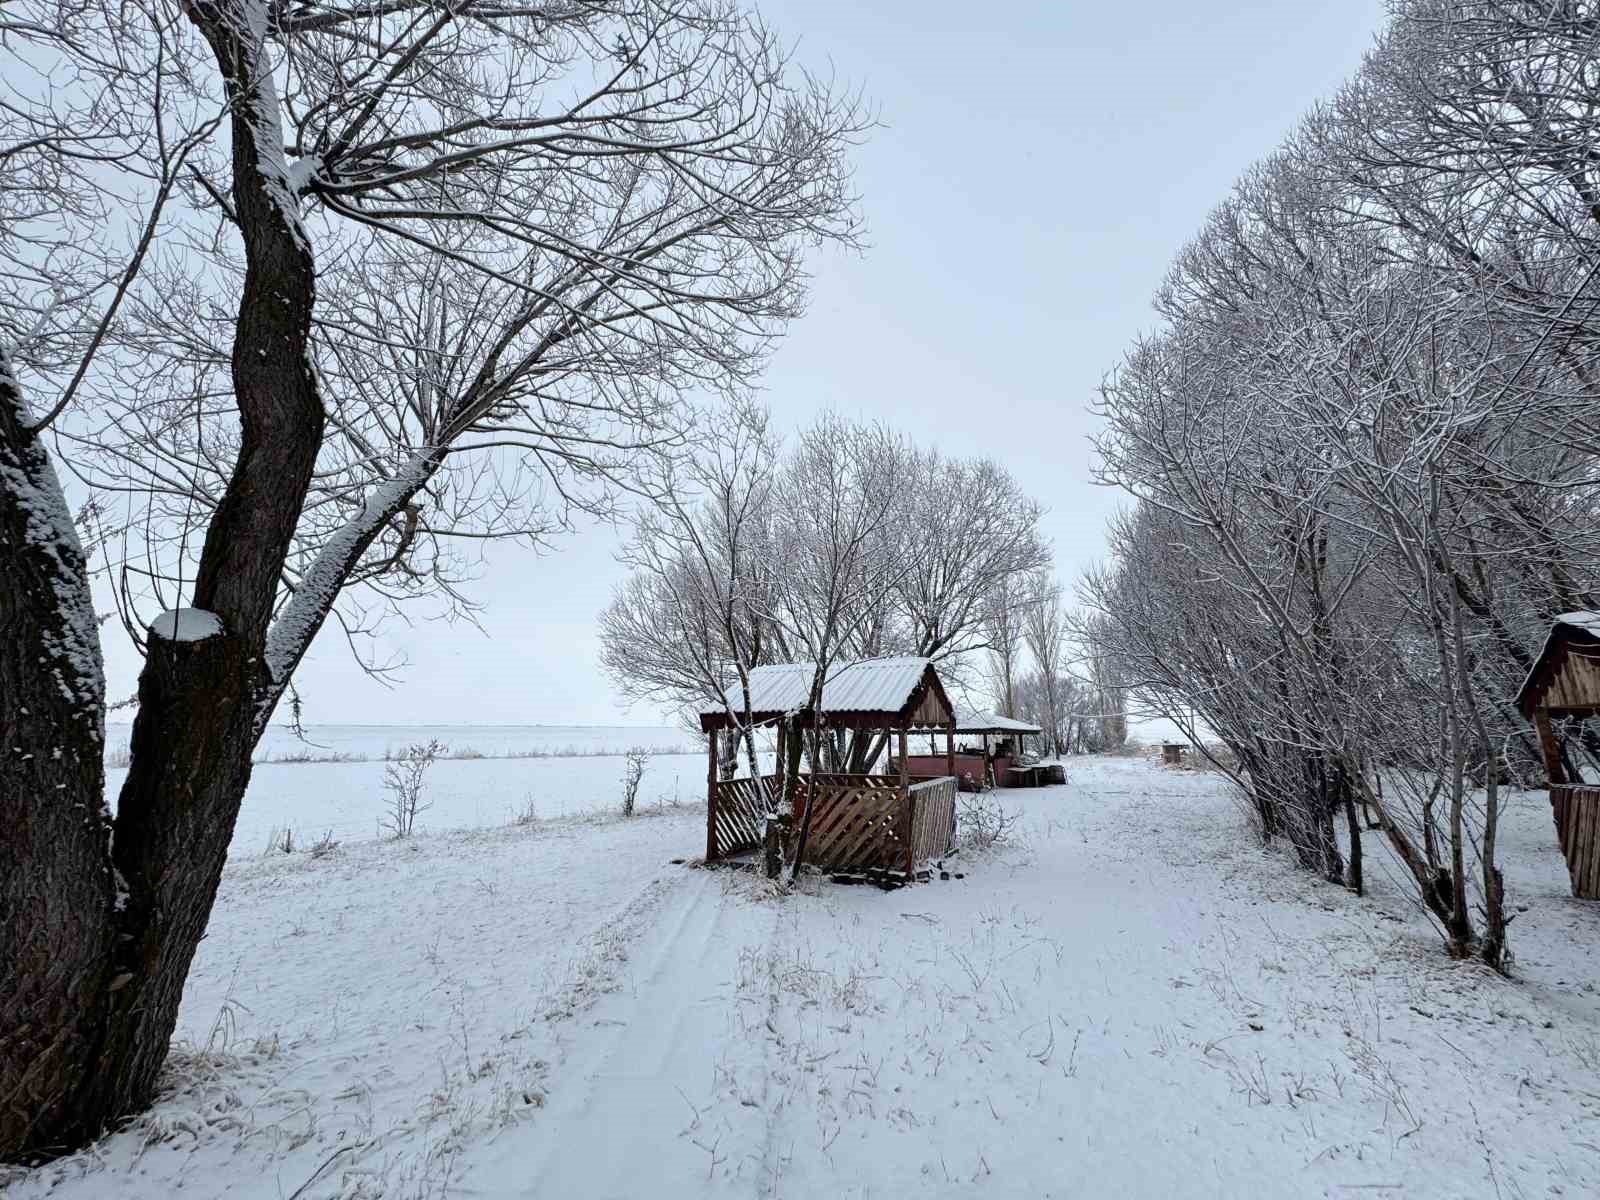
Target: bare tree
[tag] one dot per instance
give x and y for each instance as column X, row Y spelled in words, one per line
column 835, row 511
column 1044, row 628
column 436, row 273
column 1361, row 452
column 691, row 615
column 1003, row 619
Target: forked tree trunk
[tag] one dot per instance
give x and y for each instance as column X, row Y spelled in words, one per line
column 96, row 959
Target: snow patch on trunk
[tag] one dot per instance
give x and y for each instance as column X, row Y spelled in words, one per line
column 281, row 183
column 186, row 625
column 72, row 653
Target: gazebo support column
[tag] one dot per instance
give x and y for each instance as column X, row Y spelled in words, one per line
column 950, row 753
column 711, row 797
column 780, row 762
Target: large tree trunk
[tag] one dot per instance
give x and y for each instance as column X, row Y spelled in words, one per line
column 89, row 1017
column 57, row 889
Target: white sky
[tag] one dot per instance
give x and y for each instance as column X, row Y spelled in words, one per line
column 1039, row 165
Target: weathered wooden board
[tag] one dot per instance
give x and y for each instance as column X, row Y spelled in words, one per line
column 1577, row 816
column 933, row 819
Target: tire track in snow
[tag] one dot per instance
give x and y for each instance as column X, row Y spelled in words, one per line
column 620, row 1121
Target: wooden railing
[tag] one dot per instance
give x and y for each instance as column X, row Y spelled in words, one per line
column 1576, row 809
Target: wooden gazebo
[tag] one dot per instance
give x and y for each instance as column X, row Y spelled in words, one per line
column 1564, row 685
column 860, row 823
column 989, row 752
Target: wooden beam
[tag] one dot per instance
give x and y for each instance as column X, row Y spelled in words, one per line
column 950, row 753
column 1548, row 745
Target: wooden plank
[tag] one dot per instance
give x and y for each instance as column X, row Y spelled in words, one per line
column 1574, row 837
column 1577, row 813
column 1582, row 840
column 908, row 808
column 1586, row 877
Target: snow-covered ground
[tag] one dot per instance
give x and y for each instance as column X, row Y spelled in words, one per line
column 1135, row 1000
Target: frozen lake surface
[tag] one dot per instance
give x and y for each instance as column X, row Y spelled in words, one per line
column 491, row 775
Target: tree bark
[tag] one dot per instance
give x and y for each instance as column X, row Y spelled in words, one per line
column 57, row 888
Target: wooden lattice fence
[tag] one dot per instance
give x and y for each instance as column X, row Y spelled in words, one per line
column 741, row 813
column 860, row 823
column 857, row 825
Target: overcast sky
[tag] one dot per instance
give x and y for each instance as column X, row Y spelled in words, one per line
column 1038, row 166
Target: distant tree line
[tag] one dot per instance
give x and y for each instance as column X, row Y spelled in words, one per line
column 1362, row 448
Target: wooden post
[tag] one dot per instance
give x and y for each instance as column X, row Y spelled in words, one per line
column 780, row 746
column 711, row 796
column 950, row 753
column 906, row 803
column 910, row 801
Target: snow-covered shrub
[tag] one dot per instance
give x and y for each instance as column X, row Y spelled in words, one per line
column 632, row 773
column 528, row 813
column 983, row 821
column 404, row 778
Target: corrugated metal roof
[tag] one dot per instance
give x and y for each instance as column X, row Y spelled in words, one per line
column 994, row 723
column 1585, row 619
column 877, row 685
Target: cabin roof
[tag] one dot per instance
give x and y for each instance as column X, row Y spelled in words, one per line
column 989, row 722
column 1551, row 683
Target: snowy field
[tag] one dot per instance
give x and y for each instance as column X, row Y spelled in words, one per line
column 372, row 742
column 1134, row 1000
column 561, row 771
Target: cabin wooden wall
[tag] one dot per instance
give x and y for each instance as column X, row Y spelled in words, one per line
column 1574, row 681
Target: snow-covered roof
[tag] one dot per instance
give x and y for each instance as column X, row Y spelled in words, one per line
column 1585, row 619
column 993, row 723
column 1583, row 622
column 873, row 685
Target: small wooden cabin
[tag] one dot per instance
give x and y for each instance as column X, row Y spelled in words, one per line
column 887, row 823
column 1562, row 690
